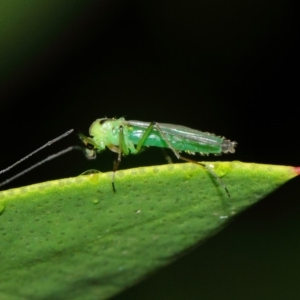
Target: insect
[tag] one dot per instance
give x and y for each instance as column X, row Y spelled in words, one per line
column 131, row 137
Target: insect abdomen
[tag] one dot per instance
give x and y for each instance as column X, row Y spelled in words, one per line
column 206, row 145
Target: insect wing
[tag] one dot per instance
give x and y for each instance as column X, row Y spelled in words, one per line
column 181, row 132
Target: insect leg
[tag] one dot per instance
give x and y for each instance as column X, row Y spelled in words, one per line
column 179, row 156
column 144, row 137
column 166, row 155
column 122, row 149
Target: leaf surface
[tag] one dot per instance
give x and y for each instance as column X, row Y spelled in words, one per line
column 76, row 239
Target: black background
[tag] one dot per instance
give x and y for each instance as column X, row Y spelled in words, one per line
column 230, row 68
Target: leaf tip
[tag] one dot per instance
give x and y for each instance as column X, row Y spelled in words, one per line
column 297, row 170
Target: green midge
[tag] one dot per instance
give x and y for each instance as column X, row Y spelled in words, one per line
column 130, row 137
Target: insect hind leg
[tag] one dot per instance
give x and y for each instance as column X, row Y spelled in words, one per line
column 209, row 169
column 179, row 156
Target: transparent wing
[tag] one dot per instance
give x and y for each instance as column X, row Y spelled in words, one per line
column 176, row 130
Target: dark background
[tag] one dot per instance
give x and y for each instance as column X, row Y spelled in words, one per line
column 230, row 68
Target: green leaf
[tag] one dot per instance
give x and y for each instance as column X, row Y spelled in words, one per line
column 76, row 239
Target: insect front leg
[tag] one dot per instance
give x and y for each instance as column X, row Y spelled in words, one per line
column 122, row 149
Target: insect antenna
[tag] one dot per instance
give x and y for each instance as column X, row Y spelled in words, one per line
column 49, row 143
column 37, row 150
column 49, row 158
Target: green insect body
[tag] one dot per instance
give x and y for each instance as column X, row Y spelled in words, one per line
column 130, row 137
column 106, row 133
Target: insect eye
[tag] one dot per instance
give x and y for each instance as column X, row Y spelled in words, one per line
column 102, row 121
column 90, row 146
